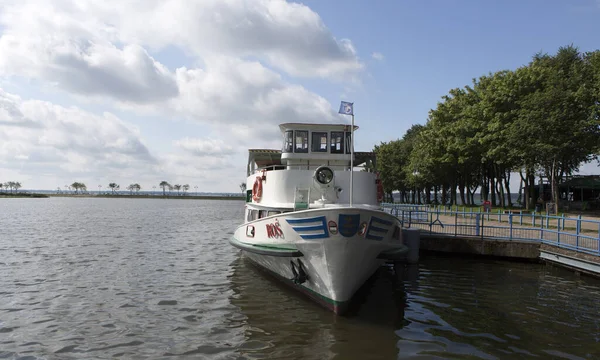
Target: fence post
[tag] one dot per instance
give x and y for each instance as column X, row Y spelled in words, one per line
column 510, row 224
column 578, row 229
column 455, row 222
column 482, row 226
column 558, row 231
column 477, row 216
column 521, row 217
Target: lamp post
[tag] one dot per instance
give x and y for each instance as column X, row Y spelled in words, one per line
column 196, row 188
column 99, row 186
column 415, row 175
column 153, row 189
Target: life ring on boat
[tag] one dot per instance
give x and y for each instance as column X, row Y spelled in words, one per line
column 379, row 189
column 257, row 189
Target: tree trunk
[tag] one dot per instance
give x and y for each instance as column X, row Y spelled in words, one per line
column 444, row 194
column 507, row 187
column 531, row 180
column 453, row 194
column 492, row 190
column 435, row 194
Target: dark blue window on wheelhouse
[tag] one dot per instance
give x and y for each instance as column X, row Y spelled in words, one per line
column 337, row 142
column 288, row 141
column 301, row 141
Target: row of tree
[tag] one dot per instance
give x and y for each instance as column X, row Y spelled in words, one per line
column 114, row 187
column 165, row 185
column 13, row 186
column 541, row 119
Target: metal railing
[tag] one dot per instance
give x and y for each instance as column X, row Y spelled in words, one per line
column 572, row 233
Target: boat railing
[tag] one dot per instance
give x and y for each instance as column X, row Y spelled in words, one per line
column 573, row 233
column 306, row 167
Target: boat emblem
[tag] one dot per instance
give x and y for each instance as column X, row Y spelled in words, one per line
column 310, row 228
column 348, row 224
column 274, row 230
column 376, row 232
column 250, row 231
column 363, row 229
column 333, row 229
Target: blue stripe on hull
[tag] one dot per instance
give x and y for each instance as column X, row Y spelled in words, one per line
column 308, row 230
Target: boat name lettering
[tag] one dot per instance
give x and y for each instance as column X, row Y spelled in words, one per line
column 274, row 230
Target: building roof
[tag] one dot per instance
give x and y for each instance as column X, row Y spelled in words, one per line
column 583, row 182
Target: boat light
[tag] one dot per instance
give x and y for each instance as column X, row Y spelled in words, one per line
column 323, row 175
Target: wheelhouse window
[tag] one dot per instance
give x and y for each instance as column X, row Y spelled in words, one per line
column 288, row 141
column 337, row 142
column 319, row 142
column 348, row 142
column 301, row 143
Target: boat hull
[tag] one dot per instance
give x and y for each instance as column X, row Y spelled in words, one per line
column 327, row 254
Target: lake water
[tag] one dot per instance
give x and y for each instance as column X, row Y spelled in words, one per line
column 156, row 279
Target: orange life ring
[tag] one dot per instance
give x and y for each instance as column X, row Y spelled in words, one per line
column 257, row 189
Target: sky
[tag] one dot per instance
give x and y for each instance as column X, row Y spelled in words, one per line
column 142, row 91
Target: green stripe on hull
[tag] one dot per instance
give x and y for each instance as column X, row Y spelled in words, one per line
column 271, row 250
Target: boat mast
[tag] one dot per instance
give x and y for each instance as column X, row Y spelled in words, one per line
column 352, row 159
column 347, row 108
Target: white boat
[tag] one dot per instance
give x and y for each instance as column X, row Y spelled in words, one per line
column 305, row 225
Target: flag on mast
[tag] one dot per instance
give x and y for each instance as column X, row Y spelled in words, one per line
column 346, row 108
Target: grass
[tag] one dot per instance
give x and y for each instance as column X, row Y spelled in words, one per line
column 21, row 195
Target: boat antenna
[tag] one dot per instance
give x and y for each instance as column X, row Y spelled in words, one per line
column 347, row 108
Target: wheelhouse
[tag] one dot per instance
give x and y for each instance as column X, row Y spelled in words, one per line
column 308, row 146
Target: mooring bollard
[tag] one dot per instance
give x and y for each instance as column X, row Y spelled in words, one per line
column 412, row 239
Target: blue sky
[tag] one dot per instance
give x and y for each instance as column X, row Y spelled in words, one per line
column 433, row 46
column 184, row 81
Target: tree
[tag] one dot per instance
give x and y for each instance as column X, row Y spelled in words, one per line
column 243, row 187
column 78, row 186
column 163, row 184
column 177, row 187
column 16, row 186
column 114, row 187
column 185, row 187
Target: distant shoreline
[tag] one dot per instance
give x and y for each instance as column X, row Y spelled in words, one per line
column 123, row 196
column 22, row 195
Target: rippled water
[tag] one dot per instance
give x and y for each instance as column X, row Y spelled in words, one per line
column 155, row 279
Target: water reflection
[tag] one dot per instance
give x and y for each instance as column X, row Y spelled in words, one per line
column 442, row 308
column 281, row 323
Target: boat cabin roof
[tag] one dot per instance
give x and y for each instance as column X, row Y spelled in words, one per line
column 271, row 157
column 310, row 126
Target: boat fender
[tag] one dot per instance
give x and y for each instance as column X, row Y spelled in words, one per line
column 300, row 276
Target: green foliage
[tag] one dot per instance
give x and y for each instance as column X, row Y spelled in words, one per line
column 12, row 186
column 77, row 186
column 542, row 118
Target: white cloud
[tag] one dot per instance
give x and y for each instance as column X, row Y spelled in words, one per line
column 107, row 52
column 290, row 36
column 246, row 100
column 377, row 56
column 50, row 138
column 204, row 147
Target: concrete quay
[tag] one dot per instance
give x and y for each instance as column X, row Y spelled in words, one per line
column 511, row 250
